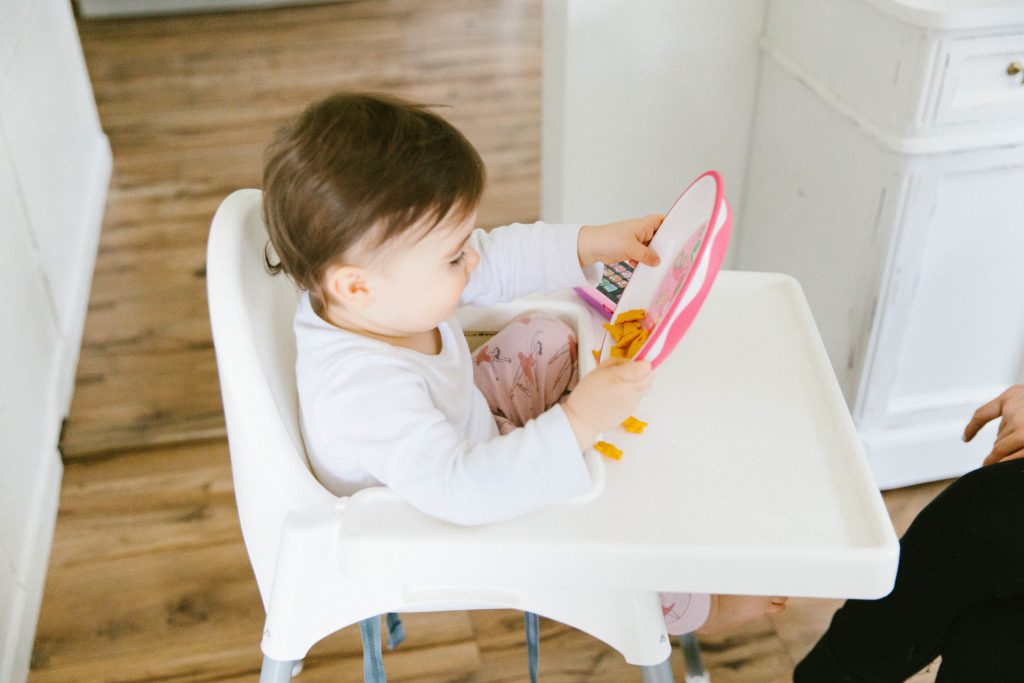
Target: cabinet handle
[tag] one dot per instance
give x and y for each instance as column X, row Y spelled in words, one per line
column 1015, row 68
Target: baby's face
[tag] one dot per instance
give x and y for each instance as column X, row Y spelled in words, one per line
column 419, row 285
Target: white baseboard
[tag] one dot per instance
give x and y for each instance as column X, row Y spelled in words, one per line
column 123, row 8
column 903, row 457
column 18, row 626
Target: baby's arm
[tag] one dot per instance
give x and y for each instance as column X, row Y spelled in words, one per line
column 523, row 259
column 518, row 259
column 606, row 396
column 398, row 435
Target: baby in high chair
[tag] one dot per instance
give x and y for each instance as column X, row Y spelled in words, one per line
column 371, row 206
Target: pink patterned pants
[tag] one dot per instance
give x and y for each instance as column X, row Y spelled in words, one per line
column 526, row 369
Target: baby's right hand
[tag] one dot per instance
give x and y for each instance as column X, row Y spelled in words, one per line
column 606, row 396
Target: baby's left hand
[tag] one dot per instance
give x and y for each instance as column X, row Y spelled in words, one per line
column 619, row 241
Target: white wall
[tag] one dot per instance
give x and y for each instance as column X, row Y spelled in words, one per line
column 642, row 97
column 54, row 168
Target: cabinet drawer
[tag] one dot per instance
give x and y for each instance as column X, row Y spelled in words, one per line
column 976, row 87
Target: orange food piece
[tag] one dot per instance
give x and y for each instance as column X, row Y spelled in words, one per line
column 628, row 333
column 637, row 344
column 613, row 330
column 633, row 425
column 605, row 448
column 630, row 316
column 597, row 355
column 628, row 338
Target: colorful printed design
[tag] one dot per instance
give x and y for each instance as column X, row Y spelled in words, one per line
column 674, row 292
column 526, row 368
column 673, row 608
column 684, row 612
column 675, row 278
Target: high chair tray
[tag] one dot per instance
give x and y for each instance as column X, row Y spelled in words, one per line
column 749, row 479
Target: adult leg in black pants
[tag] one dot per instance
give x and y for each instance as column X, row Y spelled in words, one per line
column 959, row 593
column 985, row 644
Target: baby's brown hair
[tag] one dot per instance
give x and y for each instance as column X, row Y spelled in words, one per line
column 357, row 166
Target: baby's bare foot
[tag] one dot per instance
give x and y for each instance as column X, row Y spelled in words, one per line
column 728, row 611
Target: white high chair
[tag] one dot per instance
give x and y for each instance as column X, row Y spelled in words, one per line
column 295, row 531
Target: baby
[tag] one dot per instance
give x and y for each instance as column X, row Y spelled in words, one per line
column 371, row 207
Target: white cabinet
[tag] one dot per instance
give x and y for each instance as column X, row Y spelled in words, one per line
column 54, row 169
column 885, row 173
column 975, row 84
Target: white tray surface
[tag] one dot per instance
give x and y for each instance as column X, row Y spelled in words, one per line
column 749, row 479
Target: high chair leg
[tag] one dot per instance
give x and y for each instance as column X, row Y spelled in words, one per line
column 695, row 672
column 276, row 671
column 658, row 673
column 373, row 661
column 532, row 623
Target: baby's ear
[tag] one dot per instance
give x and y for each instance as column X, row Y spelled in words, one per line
column 348, row 286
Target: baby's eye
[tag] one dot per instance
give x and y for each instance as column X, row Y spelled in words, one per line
column 459, row 259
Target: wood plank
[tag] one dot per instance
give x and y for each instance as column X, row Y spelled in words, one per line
column 158, row 501
column 566, row 654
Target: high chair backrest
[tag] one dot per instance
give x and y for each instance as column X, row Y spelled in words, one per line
column 251, row 314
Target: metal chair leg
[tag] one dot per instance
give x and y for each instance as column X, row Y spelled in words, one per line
column 658, row 673
column 275, row 671
column 695, row 672
column 532, row 624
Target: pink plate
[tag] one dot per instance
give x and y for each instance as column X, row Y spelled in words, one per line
column 691, row 242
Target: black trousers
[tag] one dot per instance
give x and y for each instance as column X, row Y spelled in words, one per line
column 959, row 593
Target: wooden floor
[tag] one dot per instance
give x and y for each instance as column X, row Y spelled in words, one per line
column 148, row 579
column 190, row 103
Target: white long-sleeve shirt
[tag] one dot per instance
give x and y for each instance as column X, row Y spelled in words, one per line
column 373, row 413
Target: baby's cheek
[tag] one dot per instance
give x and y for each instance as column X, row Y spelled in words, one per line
column 446, row 290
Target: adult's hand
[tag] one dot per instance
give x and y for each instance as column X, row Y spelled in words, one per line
column 1009, row 443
